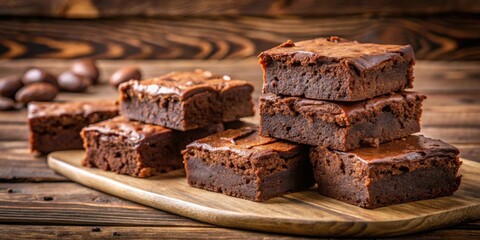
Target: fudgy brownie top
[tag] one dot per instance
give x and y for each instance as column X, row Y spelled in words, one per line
column 352, row 108
column 49, row 109
column 406, row 149
column 133, row 130
column 342, row 113
column 361, row 55
column 184, row 84
column 246, row 142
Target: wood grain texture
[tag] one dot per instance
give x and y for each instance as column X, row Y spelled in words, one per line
column 28, row 171
column 74, row 204
column 13, row 131
column 14, row 232
column 453, row 134
column 18, row 165
column 433, row 37
column 469, row 150
column 306, row 213
column 172, row 8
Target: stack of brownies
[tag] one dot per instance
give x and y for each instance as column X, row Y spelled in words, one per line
column 159, row 117
column 347, row 100
column 334, row 112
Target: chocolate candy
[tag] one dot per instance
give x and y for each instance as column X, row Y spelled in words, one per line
column 36, row 92
column 35, row 75
column 9, row 85
column 6, row 104
column 72, row 82
column 125, row 74
column 87, row 68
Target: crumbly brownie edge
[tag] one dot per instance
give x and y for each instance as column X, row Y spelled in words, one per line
column 217, row 178
column 48, row 134
column 237, row 181
column 110, row 152
column 441, row 180
column 153, row 155
column 349, row 179
column 55, row 133
column 237, row 103
column 171, row 112
column 122, row 156
column 387, row 122
column 338, row 180
column 335, row 80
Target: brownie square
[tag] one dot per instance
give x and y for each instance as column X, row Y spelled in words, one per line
column 243, row 164
column 404, row 170
column 341, row 125
column 136, row 149
column 56, row 126
column 186, row 100
column 336, row 69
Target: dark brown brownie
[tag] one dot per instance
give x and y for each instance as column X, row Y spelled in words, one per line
column 186, row 100
column 136, row 149
column 56, row 126
column 243, row 164
column 404, row 170
column 336, row 69
column 341, row 126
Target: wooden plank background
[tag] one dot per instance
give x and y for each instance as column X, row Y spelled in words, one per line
column 224, row 29
column 272, row 8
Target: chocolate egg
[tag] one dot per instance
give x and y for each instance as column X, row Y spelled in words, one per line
column 36, row 75
column 87, row 68
column 72, row 82
column 36, row 92
column 125, row 74
column 9, row 85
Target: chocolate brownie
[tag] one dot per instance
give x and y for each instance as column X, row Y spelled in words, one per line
column 336, row 69
column 243, row 164
column 186, row 100
column 56, row 126
column 341, row 125
column 136, row 149
column 404, row 170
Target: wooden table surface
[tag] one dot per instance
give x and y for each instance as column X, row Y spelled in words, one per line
column 37, row 203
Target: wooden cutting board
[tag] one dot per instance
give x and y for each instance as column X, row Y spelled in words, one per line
column 306, row 213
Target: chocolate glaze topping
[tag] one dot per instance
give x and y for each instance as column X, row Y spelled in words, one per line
column 244, row 141
column 42, row 109
column 409, row 148
column 133, row 130
column 351, row 108
column 344, row 113
column 184, row 84
column 361, row 55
